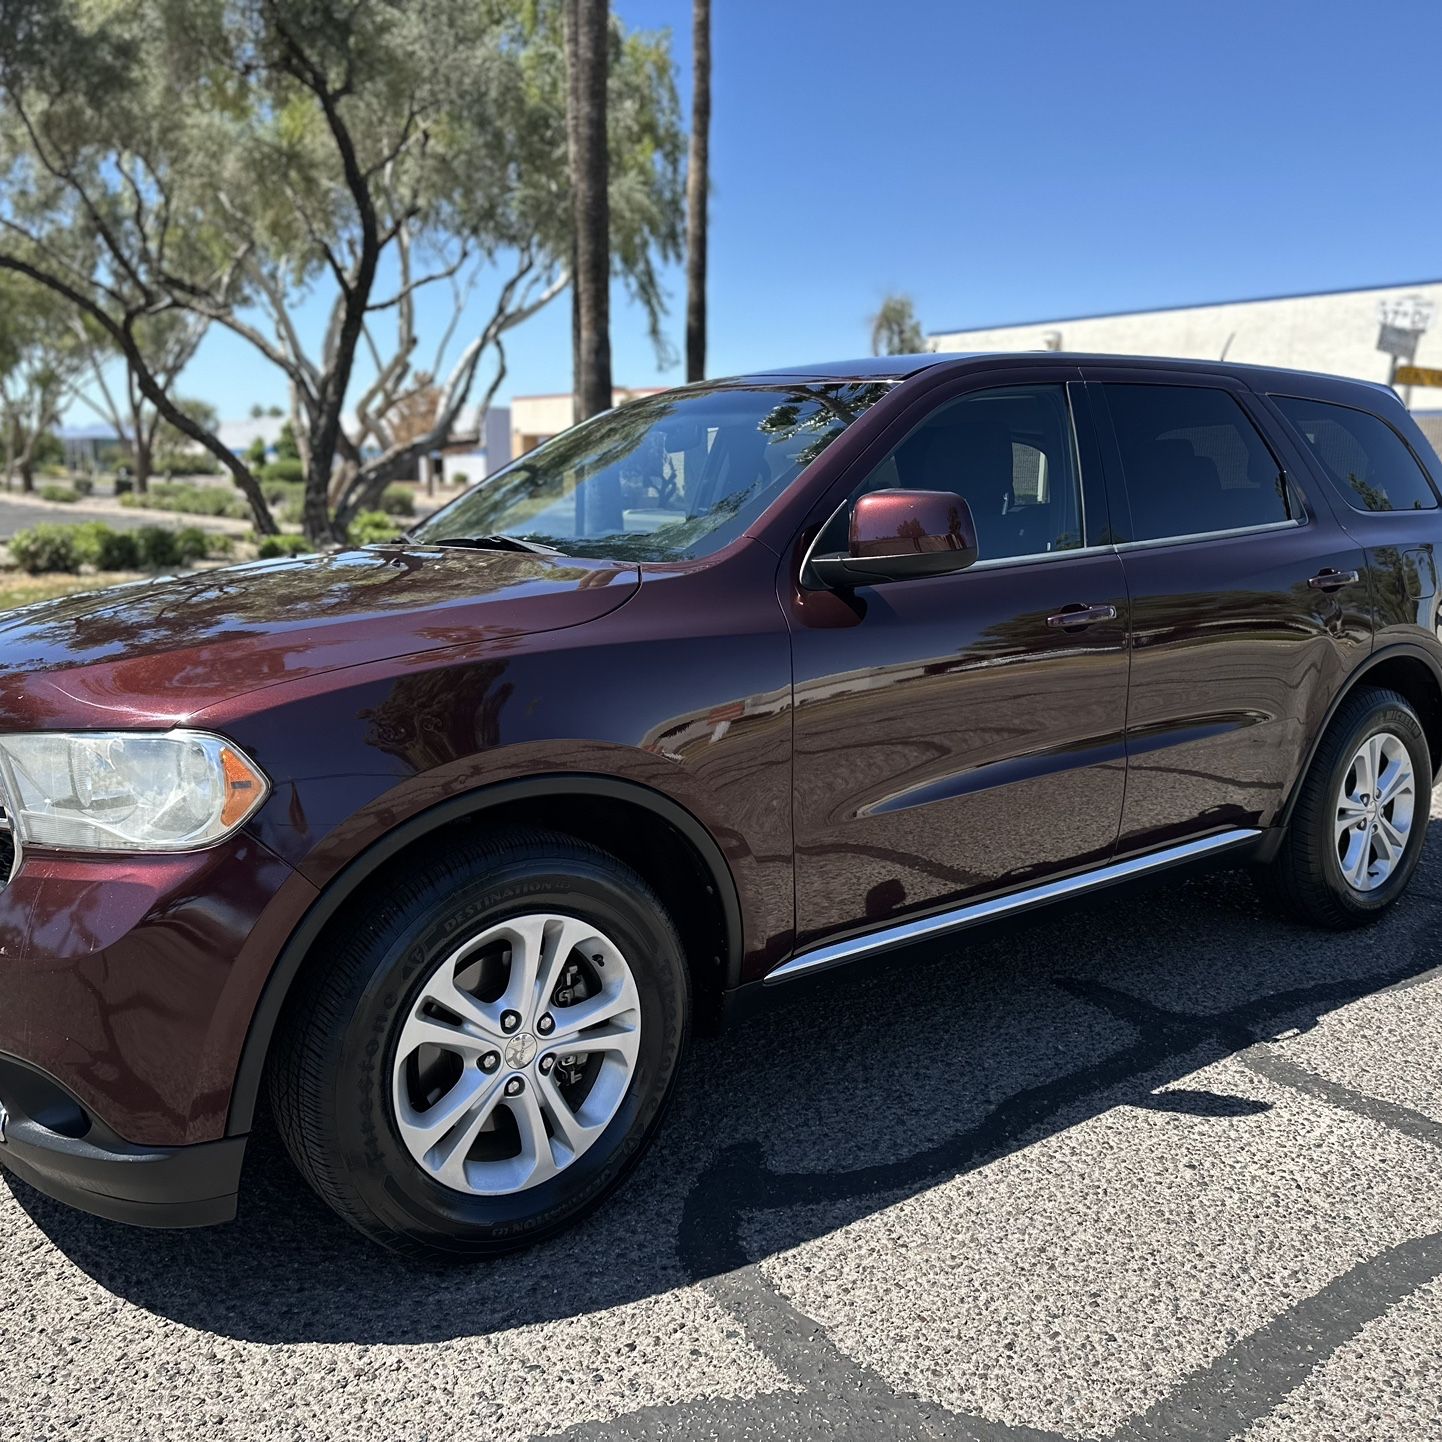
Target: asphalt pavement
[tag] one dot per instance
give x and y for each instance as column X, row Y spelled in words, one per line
column 1159, row 1167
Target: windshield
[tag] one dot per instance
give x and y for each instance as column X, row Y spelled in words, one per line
column 664, row 478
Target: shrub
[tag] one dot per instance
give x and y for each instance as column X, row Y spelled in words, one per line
column 84, row 486
column 285, row 468
column 52, row 492
column 159, row 547
column 192, row 544
column 47, row 547
column 187, row 463
column 286, row 498
column 220, row 546
column 193, row 500
column 105, row 548
column 398, row 500
column 272, row 546
column 459, row 478
column 371, row 527
column 278, row 491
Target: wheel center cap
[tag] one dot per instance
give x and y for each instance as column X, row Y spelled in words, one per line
column 521, row 1050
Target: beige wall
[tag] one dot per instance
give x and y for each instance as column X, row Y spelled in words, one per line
column 537, row 418
column 1334, row 333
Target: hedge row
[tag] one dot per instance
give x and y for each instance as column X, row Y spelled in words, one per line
column 368, row 529
column 58, row 547
column 192, row 499
column 286, row 494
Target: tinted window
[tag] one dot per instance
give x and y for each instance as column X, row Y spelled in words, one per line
column 665, row 478
column 1009, row 453
column 1194, row 462
column 1362, row 454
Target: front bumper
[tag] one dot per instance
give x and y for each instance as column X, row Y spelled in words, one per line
column 48, row 1139
column 132, row 981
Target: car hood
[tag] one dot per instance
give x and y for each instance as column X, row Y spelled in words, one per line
column 160, row 651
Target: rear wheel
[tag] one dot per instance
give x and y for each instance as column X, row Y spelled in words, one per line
column 1357, row 830
column 489, row 1051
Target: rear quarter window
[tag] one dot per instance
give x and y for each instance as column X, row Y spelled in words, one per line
column 1368, row 461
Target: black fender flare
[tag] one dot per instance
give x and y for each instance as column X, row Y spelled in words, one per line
column 246, row 1089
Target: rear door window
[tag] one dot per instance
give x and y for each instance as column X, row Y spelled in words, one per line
column 1370, row 463
column 1194, row 463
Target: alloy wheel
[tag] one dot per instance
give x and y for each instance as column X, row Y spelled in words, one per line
column 516, row 1054
column 1374, row 811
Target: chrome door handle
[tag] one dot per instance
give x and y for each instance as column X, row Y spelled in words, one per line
column 1078, row 616
column 1330, row 580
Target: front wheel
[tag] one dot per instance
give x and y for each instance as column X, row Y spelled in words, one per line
column 489, row 1050
column 1360, row 821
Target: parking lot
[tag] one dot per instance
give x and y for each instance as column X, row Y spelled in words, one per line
column 1160, row 1167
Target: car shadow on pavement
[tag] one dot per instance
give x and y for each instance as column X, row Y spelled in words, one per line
column 843, row 1099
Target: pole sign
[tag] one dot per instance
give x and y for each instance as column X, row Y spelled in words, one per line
column 1405, row 312
column 1402, row 319
column 1399, row 343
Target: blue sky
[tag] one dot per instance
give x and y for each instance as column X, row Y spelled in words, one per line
column 1016, row 160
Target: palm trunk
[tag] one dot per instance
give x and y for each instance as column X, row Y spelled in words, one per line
column 698, row 179
column 591, row 53
column 573, row 145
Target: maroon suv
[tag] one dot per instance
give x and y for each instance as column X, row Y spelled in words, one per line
column 441, row 844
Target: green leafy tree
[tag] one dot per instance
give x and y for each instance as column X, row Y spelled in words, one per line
column 895, row 329
column 286, row 446
column 353, row 150
column 168, row 343
column 40, row 360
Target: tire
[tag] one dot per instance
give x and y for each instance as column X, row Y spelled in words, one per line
column 1306, row 877
column 352, row 1088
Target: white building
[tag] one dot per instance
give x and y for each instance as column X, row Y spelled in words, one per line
column 238, row 436
column 489, row 453
column 1334, row 331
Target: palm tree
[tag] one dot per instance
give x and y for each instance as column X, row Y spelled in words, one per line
column 895, row 329
column 698, row 180
column 588, row 28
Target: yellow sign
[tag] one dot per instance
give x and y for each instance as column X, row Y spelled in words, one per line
column 1416, row 376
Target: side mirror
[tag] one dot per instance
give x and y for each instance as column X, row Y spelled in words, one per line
column 896, row 535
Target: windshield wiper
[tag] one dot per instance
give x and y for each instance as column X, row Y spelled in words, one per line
column 499, row 543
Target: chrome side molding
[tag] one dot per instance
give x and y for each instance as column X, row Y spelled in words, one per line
column 963, row 916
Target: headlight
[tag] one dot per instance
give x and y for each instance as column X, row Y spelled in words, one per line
column 127, row 791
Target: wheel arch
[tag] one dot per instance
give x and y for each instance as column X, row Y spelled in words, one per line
column 526, row 798
column 1407, row 668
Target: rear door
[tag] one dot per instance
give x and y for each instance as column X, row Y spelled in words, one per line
column 959, row 735
column 1248, row 602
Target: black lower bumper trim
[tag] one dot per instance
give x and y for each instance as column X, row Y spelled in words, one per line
column 98, row 1172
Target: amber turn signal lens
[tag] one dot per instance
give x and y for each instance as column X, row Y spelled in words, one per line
column 243, row 784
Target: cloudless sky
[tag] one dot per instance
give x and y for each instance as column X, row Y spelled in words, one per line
column 1013, row 161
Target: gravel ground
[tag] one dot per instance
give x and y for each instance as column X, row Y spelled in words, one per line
column 1156, row 1167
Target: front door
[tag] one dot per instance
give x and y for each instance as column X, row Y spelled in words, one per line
column 959, row 735
column 1248, row 604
